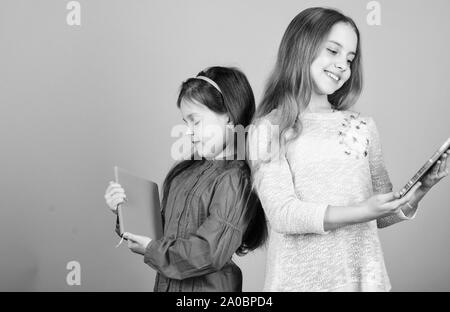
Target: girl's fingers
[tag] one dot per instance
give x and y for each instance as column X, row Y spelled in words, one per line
column 410, row 194
column 112, row 205
column 117, row 201
column 447, row 160
column 112, row 184
column 109, row 196
column 398, row 202
column 118, row 197
column 116, row 191
column 114, row 202
column 395, row 204
column 386, row 198
column 129, row 236
column 435, row 170
column 115, row 196
column 115, row 187
column 109, row 187
column 443, row 165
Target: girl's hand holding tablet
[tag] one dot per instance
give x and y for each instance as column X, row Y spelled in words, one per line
column 377, row 206
column 385, row 204
column 437, row 172
column 114, row 196
column 381, row 205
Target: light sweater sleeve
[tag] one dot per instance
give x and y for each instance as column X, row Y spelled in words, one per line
column 273, row 182
column 381, row 182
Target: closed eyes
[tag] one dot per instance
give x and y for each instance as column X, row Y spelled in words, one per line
column 195, row 122
column 334, row 52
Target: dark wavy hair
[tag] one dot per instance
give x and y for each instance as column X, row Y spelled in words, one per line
column 238, row 102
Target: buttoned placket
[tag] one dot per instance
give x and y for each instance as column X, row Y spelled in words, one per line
column 208, row 171
column 188, row 197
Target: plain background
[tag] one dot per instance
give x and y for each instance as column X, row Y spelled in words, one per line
column 77, row 100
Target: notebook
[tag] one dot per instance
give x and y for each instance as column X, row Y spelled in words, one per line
column 425, row 168
column 140, row 214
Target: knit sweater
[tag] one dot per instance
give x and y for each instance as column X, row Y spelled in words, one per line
column 336, row 160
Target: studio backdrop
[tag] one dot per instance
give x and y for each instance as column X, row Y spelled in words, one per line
column 86, row 85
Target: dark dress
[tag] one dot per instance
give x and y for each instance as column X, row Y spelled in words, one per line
column 203, row 227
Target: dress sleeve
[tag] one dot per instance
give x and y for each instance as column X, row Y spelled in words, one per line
column 216, row 240
column 381, row 182
column 273, row 182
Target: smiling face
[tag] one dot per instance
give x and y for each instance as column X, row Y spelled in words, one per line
column 331, row 68
column 206, row 128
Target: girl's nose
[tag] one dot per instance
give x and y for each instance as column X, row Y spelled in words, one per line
column 341, row 66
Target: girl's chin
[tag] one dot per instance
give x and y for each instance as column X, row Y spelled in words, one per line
column 208, row 155
column 203, row 154
column 327, row 90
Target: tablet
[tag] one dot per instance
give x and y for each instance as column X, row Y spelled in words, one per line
column 422, row 171
column 140, row 213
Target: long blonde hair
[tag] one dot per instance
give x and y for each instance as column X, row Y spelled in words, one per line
column 290, row 85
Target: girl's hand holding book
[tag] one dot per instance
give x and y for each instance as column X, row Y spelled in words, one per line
column 114, row 196
column 137, row 243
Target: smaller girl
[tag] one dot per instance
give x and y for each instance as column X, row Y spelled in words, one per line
column 209, row 210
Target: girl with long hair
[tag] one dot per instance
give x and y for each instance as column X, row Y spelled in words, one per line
column 318, row 167
column 209, row 210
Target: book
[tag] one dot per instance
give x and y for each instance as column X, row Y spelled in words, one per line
column 140, row 213
column 425, row 168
